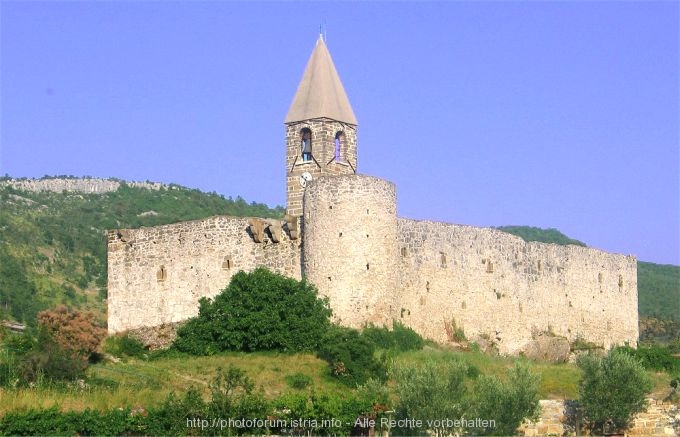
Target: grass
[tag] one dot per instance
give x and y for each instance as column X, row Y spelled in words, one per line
column 147, row 383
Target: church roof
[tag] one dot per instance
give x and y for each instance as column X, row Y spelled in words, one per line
column 320, row 93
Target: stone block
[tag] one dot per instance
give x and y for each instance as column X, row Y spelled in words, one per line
column 548, row 348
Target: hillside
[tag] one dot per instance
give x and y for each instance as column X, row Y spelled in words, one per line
column 52, row 235
column 53, row 250
column 528, row 233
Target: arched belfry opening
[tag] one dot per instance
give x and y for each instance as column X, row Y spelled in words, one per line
column 320, row 129
column 338, row 143
column 306, row 144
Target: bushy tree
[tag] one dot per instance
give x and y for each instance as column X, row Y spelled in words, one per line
column 258, row 311
column 429, row 393
column 612, row 389
column 506, row 402
column 76, row 332
column 351, row 356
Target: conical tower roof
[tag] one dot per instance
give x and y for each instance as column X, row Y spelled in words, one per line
column 320, row 93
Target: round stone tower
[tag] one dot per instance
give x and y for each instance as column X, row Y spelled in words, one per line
column 350, row 246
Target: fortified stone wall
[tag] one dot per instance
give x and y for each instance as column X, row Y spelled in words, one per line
column 157, row 275
column 375, row 268
column 496, row 286
column 350, row 226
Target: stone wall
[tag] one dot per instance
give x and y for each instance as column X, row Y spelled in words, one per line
column 350, row 227
column 157, row 275
column 499, row 288
column 558, row 418
column 323, row 150
column 78, row 185
column 376, row 268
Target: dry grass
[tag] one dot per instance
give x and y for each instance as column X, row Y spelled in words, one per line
column 147, row 383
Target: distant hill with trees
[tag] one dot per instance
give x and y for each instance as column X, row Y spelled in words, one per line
column 53, row 244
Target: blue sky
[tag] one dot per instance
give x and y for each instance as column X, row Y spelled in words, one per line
column 560, row 114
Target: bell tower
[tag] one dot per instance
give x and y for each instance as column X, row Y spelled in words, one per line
column 321, row 129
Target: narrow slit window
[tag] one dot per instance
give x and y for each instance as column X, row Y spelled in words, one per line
column 161, row 274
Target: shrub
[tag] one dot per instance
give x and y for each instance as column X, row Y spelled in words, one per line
column 327, row 413
column 401, row 338
column 298, row 381
column 381, row 337
column 234, row 395
column 350, row 356
column 612, row 389
column 654, row 357
column 124, row 345
column 75, row 332
column 259, row 310
column 429, row 393
column 405, row 338
column 508, row 403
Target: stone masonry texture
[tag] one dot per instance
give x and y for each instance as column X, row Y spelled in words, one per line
column 376, row 267
column 157, row 275
column 323, row 162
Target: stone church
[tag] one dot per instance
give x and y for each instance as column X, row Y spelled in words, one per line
column 342, row 234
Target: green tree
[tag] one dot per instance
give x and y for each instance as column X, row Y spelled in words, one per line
column 612, row 390
column 258, row 311
column 429, row 393
column 506, row 402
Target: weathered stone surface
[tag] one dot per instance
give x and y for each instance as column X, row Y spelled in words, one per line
column 548, row 348
column 77, row 185
column 323, row 150
column 557, row 418
column 376, row 267
column 156, row 337
column 198, row 259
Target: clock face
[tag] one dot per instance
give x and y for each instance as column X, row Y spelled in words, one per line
column 304, row 178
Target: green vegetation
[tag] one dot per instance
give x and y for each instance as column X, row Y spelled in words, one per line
column 400, row 337
column 124, row 346
column 258, row 311
column 266, row 311
column 659, row 293
column 351, row 356
column 528, row 233
column 508, row 402
column 53, row 245
column 612, row 390
column 59, row 349
column 436, row 390
column 654, row 357
column 138, row 385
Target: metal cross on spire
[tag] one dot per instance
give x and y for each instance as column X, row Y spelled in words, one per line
column 322, row 30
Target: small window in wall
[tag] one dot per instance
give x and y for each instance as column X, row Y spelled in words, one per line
column 404, row 252
column 620, row 281
column 442, row 260
column 161, row 274
column 599, row 277
column 339, row 143
column 227, row 263
column 489, row 266
column 306, row 144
